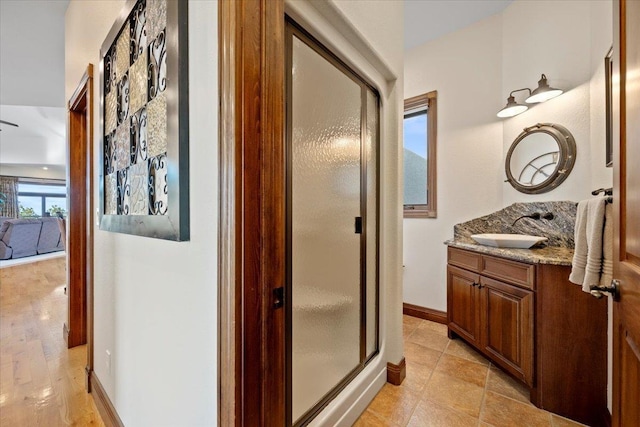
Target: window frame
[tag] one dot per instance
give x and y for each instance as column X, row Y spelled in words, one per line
column 429, row 101
column 43, row 195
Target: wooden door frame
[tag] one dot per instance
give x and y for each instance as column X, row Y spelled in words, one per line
column 252, row 213
column 79, row 327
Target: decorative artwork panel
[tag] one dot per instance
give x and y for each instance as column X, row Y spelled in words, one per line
column 157, row 127
column 156, row 18
column 145, row 121
column 111, row 194
column 138, row 83
column 139, row 136
column 158, row 189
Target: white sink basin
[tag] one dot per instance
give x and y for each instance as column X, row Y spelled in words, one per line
column 519, row 241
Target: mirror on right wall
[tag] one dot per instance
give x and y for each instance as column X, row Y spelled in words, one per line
column 540, row 158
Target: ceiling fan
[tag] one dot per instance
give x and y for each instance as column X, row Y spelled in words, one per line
column 8, row 123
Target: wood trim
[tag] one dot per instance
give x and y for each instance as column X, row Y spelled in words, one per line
column 79, row 327
column 396, row 373
column 430, row 100
column 424, row 313
column 252, row 257
column 105, row 407
column 228, row 368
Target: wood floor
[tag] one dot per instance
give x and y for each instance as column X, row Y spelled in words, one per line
column 41, row 382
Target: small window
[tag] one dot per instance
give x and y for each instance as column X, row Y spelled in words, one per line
column 420, row 125
column 36, row 200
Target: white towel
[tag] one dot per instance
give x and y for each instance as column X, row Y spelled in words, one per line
column 607, row 247
column 587, row 258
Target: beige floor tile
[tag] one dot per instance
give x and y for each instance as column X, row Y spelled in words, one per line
column 394, row 404
column 501, row 411
column 436, row 327
column 369, row 419
column 454, row 393
column 429, row 338
column 459, row 348
column 431, row 414
column 409, row 325
column 410, row 321
column 417, row 376
column 558, row 421
column 463, row 369
column 419, row 354
column 501, row 383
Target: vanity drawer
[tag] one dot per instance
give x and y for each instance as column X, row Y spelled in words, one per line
column 514, row 272
column 465, row 259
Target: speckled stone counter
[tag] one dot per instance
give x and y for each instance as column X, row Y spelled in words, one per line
column 554, row 255
column 558, row 231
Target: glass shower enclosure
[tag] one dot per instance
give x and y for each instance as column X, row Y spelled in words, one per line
column 332, row 224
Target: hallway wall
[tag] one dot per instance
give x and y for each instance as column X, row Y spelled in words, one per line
column 156, row 300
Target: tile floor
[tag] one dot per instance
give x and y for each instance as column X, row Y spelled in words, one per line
column 448, row 384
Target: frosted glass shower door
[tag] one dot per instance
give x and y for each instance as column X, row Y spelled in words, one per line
column 325, row 200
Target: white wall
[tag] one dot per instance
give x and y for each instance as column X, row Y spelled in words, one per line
column 476, row 68
column 465, row 68
column 155, row 300
column 536, row 40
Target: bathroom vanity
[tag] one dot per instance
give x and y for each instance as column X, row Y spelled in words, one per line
column 521, row 312
column 518, row 308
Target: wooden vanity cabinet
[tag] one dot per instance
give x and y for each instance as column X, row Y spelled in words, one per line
column 494, row 316
column 529, row 320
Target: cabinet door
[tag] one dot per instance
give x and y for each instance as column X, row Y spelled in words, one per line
column 507, row 334
column 463, row 303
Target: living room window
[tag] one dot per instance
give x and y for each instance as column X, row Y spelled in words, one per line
column 420, row 124
column 36, row 199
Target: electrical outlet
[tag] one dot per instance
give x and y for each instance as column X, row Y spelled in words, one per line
column 107, row 362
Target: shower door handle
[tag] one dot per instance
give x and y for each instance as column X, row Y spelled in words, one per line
column 358, row 225
column 278, row 297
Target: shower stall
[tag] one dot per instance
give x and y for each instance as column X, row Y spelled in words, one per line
column 332, row 224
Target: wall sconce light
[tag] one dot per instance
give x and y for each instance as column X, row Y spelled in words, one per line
column 542, row 93
column 513, row 108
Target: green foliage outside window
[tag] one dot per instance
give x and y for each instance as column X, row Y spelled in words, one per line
column 27, row 212
column 56, row 210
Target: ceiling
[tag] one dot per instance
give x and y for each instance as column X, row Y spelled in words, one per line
column 426, row 20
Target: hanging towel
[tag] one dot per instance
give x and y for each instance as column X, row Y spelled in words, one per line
column 607, row 247
column 587, row 258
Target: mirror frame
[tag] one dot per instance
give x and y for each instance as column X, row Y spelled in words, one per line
column 567, row 158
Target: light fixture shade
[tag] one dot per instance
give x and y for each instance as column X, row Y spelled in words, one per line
column 543, row 93
column 512, row 108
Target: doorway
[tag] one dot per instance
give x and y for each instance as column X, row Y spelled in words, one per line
column 78, row 330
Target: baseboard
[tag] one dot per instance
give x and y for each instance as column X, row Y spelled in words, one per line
column 424, row 313
column 106, row 409
column 396, row 373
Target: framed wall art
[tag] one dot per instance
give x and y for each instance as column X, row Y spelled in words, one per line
column 144, row 177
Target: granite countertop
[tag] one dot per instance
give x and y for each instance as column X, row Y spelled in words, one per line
column 559, row 232
column 554, row 255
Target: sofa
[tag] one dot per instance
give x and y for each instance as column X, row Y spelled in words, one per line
column 33, row 236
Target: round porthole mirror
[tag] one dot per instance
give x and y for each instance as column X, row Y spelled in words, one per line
column 540, row 158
